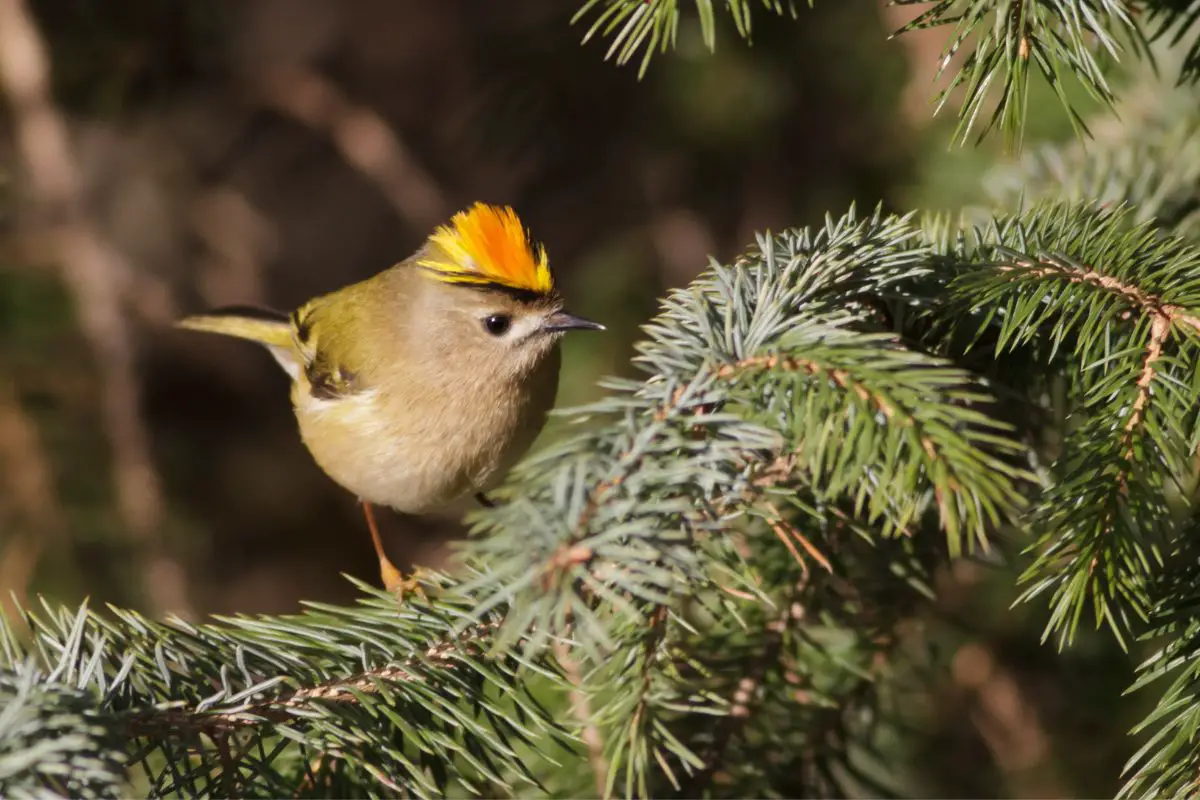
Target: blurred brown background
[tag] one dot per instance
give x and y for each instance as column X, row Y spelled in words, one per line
column 264, row 151
column 267, row 151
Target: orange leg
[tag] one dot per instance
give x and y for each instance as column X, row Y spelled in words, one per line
column 387, row 570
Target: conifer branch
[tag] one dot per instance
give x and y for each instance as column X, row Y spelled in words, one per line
column 581, row 708
column 673, row 537
column 1146, row 159
column 1126, row 329
column 382, row 696
column 741, row 703
column 53, row 741
column 644, row 26
column 1161, row 317
column 1168, row 762
column 1003, row 44
column 763, row 389
column 444, row 655
column 812, row 403
column 1005, row 41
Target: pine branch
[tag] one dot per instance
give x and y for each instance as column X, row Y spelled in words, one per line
column 380, row 697
column 1147, row 159
column 647, row 26
column 53, row 743
column 1115, row 308
column 1168, row 763
column 800, row 681
column 1178, row 21
column 763, row 391
column 1006, row 41
column 743, row 701
column 727, row 343
column 1003, row 45
column 735, row 539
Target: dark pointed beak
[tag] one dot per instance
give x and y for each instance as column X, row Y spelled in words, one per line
column 562, row 321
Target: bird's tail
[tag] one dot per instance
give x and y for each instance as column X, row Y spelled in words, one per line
column 262, row 325
column 273, row 329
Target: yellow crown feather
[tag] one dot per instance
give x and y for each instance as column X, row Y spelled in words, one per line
column 488, row 245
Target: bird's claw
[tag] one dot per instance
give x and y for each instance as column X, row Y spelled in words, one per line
column 404, row 587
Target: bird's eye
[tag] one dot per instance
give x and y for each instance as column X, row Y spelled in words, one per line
column 497, row 324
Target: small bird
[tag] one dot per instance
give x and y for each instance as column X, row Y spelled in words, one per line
column 426, row 382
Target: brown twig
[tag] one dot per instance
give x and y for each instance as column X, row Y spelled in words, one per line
column 1160, row 327
column 278, row 709
column 581, row 708
column 841, row 377
column 1145, row 302
column 96, row 274
column 362, row 136
column 566, row 556
column 744, row 693
column 1163, row 316
column 228, row 767
column 787, row 532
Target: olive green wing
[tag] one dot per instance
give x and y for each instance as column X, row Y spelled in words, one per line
column 326, row 351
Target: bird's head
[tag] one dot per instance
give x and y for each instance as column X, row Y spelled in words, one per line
column 493, row 292
column 495, row 287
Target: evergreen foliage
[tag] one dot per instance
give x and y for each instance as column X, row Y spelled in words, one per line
column 996, row 48
column 647, row 26
column 704, row 589
column 1149, row 161
column 326, row 702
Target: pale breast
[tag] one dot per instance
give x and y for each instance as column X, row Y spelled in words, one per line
column 386, row 450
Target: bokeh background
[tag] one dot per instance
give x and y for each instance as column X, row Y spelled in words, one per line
column 264, row 151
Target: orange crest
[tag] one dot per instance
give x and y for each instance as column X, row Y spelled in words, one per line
column 488, row 245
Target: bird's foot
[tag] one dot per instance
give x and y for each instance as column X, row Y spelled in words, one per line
column 395, row 582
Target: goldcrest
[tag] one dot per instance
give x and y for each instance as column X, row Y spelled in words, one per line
column 426, row 382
